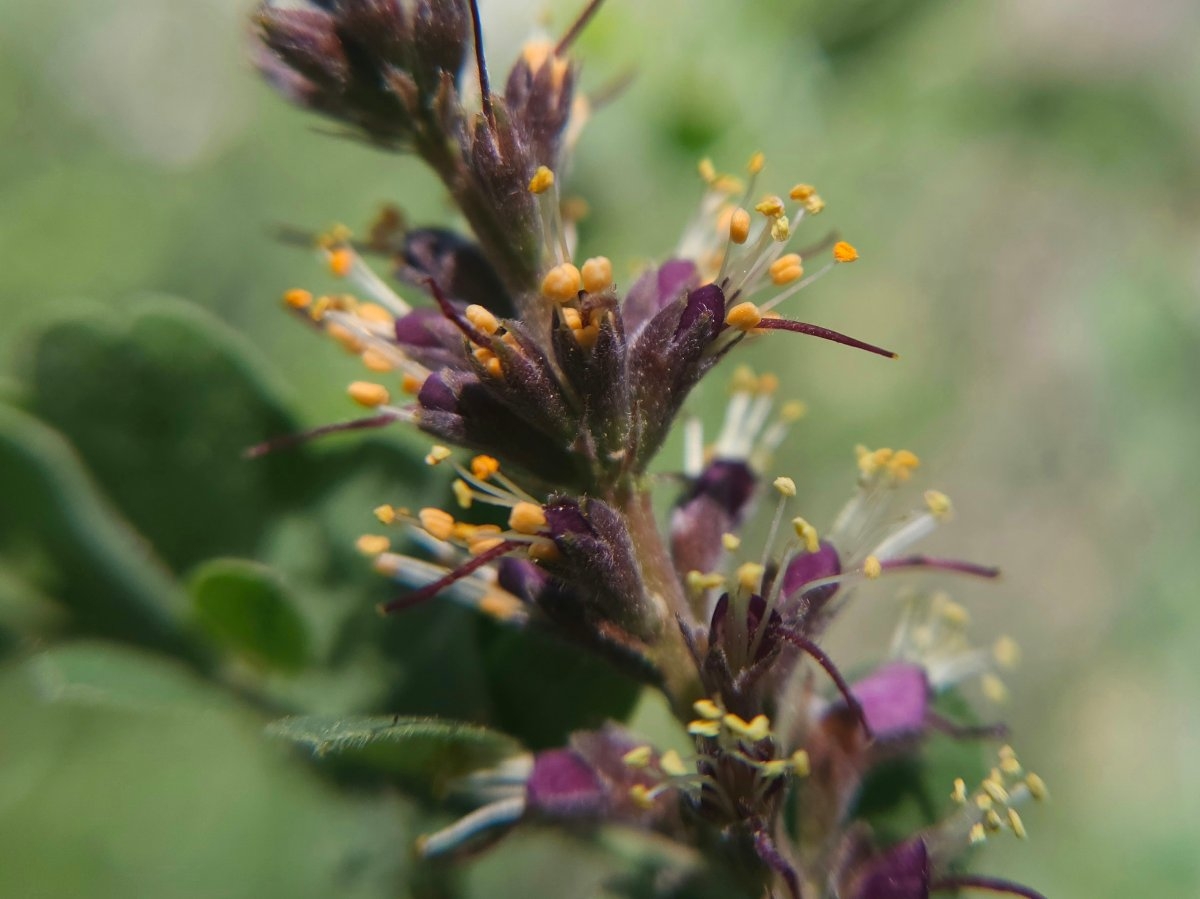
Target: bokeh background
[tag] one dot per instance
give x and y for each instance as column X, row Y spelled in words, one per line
column 1023, row 182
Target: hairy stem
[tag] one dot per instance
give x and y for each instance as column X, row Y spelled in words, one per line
column 669, row 652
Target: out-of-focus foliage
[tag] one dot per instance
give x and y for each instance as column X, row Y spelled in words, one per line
column 1021, row 179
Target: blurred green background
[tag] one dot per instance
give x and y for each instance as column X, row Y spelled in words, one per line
column 1023, row 182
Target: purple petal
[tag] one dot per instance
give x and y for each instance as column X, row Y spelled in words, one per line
column 563, row 784
column 654, row 291
column 895, row 700
column 900, row 873
column 709, row 301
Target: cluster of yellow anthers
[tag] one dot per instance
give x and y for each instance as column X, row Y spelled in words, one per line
column 990, row 807
column 747, row 577
column 743, row 258
column 731, row 731
column 566, row 285
column 481, row 482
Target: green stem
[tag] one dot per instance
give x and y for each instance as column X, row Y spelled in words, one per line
column 681, row 680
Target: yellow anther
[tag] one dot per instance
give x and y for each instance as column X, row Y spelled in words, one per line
column 786, row 270
column 707, row 709
column 995, row 789
column 703, row 728
column 739, row 225
column 977, row 834
column 793, row 410
column 341, row 261
column 479, row 545
column 743, row 380
column 953, row 613
column 698, row 581
column 993, row 688
column 298, row 298
column 1017, row 825
column 802, row 192
column 1006, row 652
column 641, row 796
column 348, row 340
column 749, row 575
column 786, row 486
column 562, row 283
column 411, row 384
column 844, row 252
column 572, row 318
column 744, row 316
column 437, row 523
column 501, row 606
column 757, row 728
column 772, row 207
column 992, row 821
column 527, row 518
column 781, row 229
column 482, row 319
column 773, row 768
column 983, row 801
column 542, row 180
column 768, row 383
column 494, row 368
column 731, row 541
column 814, row 204
column 463, row 494
column 597, row 274
column 587, row 336
column 638, row 757
column 368, row 394
column 902, row 464
column 483, row 467
column 959, row 794
column 938, row 504
column 437, row 454
column 543, row 549
column 872, row 567
column 807, row 533
column 756, row 163
column 373, row 312
column 672, row 765
column 1036, row 786
column 707, row 170
column 372, row 544
column 376, row 361
column 385, row 514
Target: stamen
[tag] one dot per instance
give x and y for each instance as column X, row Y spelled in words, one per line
column 368, row 394
column 562, row 283
column 597, row 274
column 431, row 590
column 844, row 252
column 496, row 814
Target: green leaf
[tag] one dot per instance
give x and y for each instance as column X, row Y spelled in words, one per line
column 410, row 747
column 245, row 606
column 104, row 674
column 60, row 537
column 161, row 404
